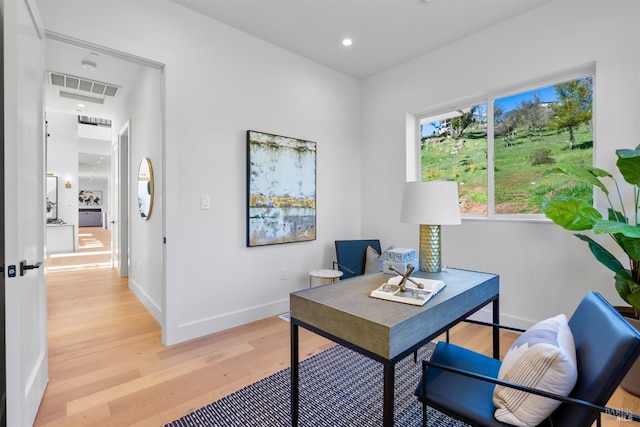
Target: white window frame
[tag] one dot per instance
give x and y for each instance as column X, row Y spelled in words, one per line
column 414, row 164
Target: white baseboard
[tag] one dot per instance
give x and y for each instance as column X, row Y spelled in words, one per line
column 202, row 327
column 149, row 304
column 486, row 315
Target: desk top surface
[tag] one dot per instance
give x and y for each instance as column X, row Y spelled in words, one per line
column 345, row 310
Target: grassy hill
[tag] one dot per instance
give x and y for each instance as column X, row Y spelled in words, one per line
column 518, row 164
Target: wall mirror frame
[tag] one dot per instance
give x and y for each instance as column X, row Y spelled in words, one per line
column 145, row 188
column 52, row 198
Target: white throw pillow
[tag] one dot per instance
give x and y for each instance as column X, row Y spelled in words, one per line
column 374, row 262
column 544, row 358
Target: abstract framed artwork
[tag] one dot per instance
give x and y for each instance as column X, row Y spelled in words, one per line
column 90, row 198
column 281, row 189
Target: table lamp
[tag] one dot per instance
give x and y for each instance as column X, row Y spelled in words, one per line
column 430, row 204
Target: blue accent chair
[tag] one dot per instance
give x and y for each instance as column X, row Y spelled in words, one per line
column 351, row 256
column 460, row 382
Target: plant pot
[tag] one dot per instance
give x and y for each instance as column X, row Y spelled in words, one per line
column 631, row 381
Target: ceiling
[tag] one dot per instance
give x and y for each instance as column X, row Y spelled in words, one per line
column 66, row 59
column 385, row 33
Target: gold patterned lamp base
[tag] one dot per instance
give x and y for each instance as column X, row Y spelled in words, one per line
column 430, row 242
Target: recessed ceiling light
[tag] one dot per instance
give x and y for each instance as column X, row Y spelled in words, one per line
column 81, row 105
column 89, row 65
column 347, row 42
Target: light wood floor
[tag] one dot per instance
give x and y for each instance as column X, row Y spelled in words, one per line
column 107, row 366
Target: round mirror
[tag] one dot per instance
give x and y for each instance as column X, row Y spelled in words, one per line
column 145, row 188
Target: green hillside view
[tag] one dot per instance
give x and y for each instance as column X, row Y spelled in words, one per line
column 519, row 162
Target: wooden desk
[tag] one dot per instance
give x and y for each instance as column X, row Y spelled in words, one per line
column 386, row 331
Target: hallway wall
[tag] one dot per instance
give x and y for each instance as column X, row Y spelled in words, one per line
column 220, row 83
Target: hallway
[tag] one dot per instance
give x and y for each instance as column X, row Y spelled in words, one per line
column 98, row 335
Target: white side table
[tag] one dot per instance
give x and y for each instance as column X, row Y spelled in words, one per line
column 322, row 277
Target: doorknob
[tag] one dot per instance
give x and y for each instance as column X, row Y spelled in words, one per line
column 24, row 266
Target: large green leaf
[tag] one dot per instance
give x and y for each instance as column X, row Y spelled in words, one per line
column 617, row 216
column 631, row 246
column 586, row 174
column 613, row 227
column 605, row 257
column 629, row 165
column 571, row 213
column 628, row 290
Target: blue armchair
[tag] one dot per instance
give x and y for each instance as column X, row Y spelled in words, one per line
column 460, row 382
column 351, row 256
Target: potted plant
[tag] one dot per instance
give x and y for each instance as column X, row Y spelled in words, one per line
column 575, row 214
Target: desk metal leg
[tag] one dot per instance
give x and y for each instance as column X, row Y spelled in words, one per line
column 389, row 391
column 496, row 330
column 295, row 374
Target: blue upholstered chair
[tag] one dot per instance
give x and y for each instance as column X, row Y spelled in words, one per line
column 606, row 347
column 351, row 256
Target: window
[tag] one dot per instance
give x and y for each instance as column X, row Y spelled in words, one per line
column 497, row 150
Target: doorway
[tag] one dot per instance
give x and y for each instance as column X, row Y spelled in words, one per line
column 136, row 117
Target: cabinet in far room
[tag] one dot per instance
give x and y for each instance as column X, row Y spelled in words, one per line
column 90, row 217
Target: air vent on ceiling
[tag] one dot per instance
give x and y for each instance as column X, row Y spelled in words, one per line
column 86, row 85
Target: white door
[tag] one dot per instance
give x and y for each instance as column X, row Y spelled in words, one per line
column 114, row 206
column 24, row 211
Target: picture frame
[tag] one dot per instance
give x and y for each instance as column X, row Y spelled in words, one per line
column 89, row 198
column 281, row 189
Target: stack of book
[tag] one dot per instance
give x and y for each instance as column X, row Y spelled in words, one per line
column 399, row 258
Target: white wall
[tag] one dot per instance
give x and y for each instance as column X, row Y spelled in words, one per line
column 220, row 83
column 544, row 270
column 143, row 110
column 62, row 161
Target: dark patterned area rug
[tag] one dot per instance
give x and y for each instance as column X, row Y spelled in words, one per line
column 338, row 387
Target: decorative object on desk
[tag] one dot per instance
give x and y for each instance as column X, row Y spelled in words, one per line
column 398, row 260
column 392, row 290
column 430, row 204
column 281, row 189
column 145, row 188
column 344, row 396
column 400, row 255
column 90, row 198
column 575, row 214
column 405, row 276
column 389, row 267
column 52, row 198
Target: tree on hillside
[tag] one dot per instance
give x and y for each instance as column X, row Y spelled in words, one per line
column 574, row 106
column 505, row 124
column 459, row 124
column 533, row 116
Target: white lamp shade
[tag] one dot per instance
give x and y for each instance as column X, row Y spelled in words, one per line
column 431, row 203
